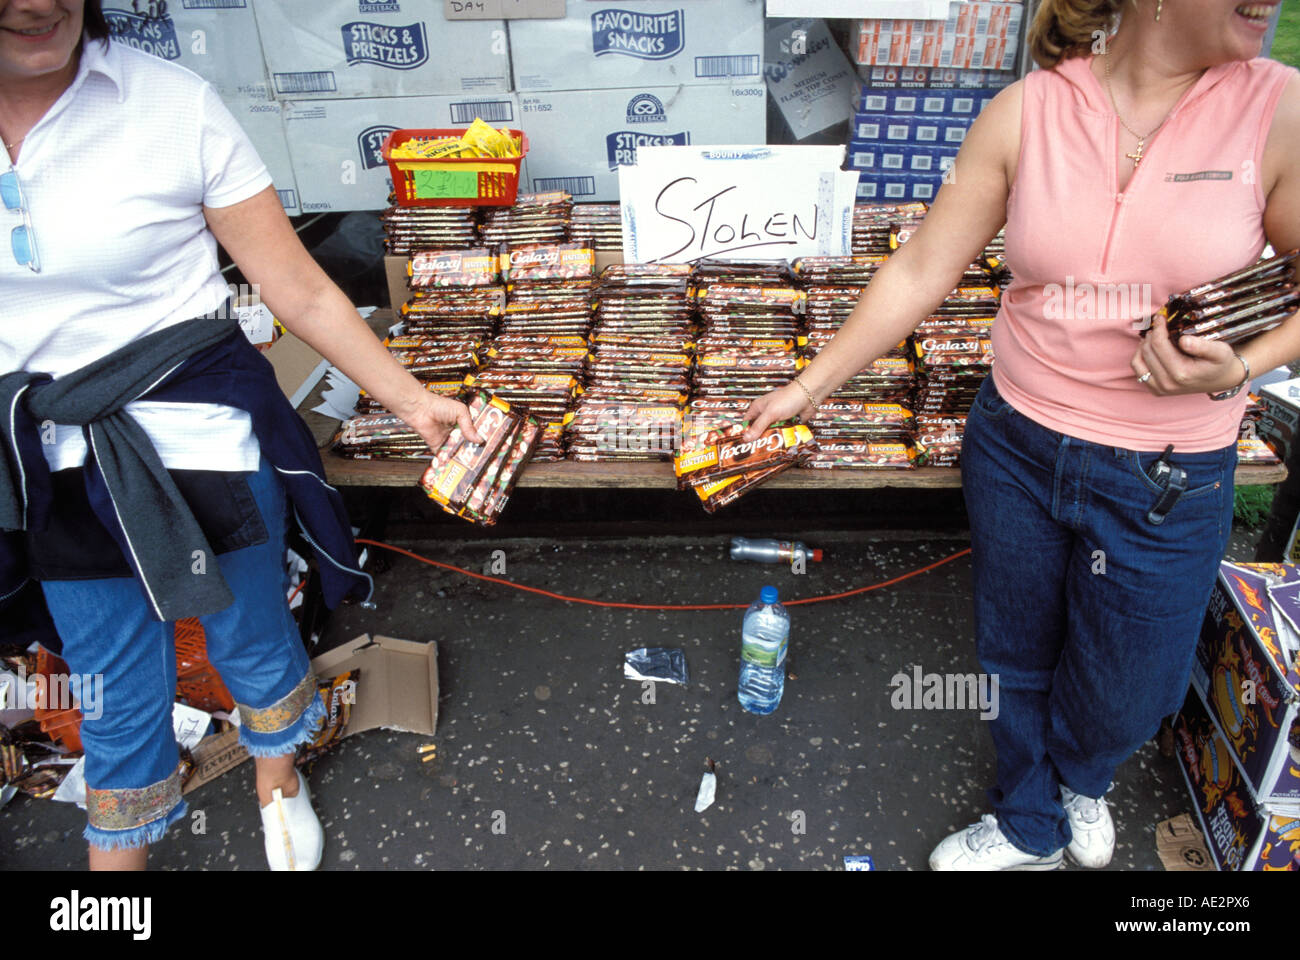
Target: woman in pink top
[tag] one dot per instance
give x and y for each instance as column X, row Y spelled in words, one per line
column 1139, row 162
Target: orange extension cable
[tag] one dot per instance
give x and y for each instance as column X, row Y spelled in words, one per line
column 658, row 606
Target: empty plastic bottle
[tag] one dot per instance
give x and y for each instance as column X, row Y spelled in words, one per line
column 764, row 639
column 772, row 551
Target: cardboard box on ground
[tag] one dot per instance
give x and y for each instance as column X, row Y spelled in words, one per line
column 397, row 689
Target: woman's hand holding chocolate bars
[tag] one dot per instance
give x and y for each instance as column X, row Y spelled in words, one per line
column 433, row 417
column 783, row 403
column 1196, row 365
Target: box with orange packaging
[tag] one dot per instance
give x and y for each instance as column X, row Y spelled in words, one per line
column 474, row 480
column 975, row 36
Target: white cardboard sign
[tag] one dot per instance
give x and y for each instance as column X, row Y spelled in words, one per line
column 681, row 204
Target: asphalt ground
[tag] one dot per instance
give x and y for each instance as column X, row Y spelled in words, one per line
column 547, row 758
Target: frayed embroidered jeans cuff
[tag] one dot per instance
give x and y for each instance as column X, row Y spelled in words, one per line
column 277, row 730
column 118, row 818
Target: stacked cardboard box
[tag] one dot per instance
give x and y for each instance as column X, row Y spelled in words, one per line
column 221, row 43
column 1238, row 735
column 975, row 36
column 610, row 78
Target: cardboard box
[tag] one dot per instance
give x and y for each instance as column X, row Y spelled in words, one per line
column 214, row 755
column 1279, row 422
column 335, row 144
column 263, row 121
column 895, row 187
column 217, row 40
column 398, row 291
column 355, row 48
column 398, row 686
column 808, row 77
column 950, row 102
column 1241, row 834
column 934, row 78
column 936, row 130
column 502, row 9
column 1251, row 686
column 847, row 9
column 579, row 138
column 298, row 367
column 976, row 36
column 640, row 43
column 900, row 158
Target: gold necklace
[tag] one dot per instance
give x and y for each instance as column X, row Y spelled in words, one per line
column 10, row 146
column 1135, row 157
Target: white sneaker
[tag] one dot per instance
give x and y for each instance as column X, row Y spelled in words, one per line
column 1093, row 830
column 983, row 846
column 293, row 834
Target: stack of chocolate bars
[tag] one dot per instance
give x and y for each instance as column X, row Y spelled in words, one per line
column 408, row 229
column 603, row 222
column 720, row 472
column 534, row 218
column 874, row 223
column 474, row 480
column 1237, row 306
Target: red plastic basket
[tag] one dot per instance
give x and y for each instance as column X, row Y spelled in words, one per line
column 455, row 181
column 63, row 726
column 197, row 683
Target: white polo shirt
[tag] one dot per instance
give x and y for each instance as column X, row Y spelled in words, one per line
column 115, row 176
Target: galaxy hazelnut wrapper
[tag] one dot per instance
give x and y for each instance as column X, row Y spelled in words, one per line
column 735, row 455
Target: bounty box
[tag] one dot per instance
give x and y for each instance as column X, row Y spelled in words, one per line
column 639, row 43
column 335, row 144
column 355, row 48
column 578, row 139
column 217, row 39
column 1248, row 679
column 1240, row 833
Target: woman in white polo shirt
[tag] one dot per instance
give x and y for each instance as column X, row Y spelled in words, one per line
column 123, row 174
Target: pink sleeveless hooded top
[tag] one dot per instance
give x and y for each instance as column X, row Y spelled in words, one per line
column 1089, row 261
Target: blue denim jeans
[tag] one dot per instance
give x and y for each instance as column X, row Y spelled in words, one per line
column 1087, row 612
column 132, row 763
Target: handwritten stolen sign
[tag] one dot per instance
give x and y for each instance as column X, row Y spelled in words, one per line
column 681, row 204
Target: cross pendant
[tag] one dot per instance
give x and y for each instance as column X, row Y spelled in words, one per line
column 1136, row 157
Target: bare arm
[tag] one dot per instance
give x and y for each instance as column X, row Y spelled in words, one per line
column 1205, row 366
column 259, row 238
column 966, row 215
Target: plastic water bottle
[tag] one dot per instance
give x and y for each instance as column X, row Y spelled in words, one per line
column 765, row 636
column 772, row 551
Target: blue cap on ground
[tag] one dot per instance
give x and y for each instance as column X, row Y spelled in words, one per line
column 767, row 595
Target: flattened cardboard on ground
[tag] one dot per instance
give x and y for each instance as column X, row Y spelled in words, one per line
column 1181, row 847
column 398, row 687
column 214, row 755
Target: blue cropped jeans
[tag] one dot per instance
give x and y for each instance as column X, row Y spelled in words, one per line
column 1086, row 611
column 132, row 763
